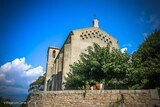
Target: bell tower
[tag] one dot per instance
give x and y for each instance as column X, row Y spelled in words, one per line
column 51, row 56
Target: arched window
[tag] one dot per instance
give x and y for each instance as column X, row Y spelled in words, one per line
column 54, row 54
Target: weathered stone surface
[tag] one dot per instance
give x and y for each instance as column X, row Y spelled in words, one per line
column 154, row 94
column 105, row 98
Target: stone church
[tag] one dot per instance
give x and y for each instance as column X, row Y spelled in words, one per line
column 58, row 60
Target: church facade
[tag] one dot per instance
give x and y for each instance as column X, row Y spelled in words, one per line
column 77, row 42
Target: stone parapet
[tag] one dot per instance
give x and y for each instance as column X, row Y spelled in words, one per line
column 95, row 98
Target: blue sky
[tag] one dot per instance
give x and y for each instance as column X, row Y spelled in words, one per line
column 29, row 27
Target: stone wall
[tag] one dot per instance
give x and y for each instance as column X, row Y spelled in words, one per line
column 104, row 98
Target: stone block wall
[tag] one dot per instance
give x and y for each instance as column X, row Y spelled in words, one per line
column 96, row 98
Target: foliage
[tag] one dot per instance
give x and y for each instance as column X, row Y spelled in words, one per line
column 39, row 81
column 119, row 70
column 146, row 60
column 100, row 64
column 37, row 84
column 150, row 48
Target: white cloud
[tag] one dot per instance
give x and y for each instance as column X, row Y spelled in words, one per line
column 15, row 65
column 34, row 71
column 123, row 50
column 18, row 74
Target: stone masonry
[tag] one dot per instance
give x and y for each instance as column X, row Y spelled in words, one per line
column 77, row 42
column 96, row 98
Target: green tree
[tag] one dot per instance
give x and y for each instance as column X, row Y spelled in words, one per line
column 117, row 68
column 100, row 64
column 146, row 60
column 86, row 69
column 38, row 83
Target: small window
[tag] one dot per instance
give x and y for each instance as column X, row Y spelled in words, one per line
column 54, row 54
